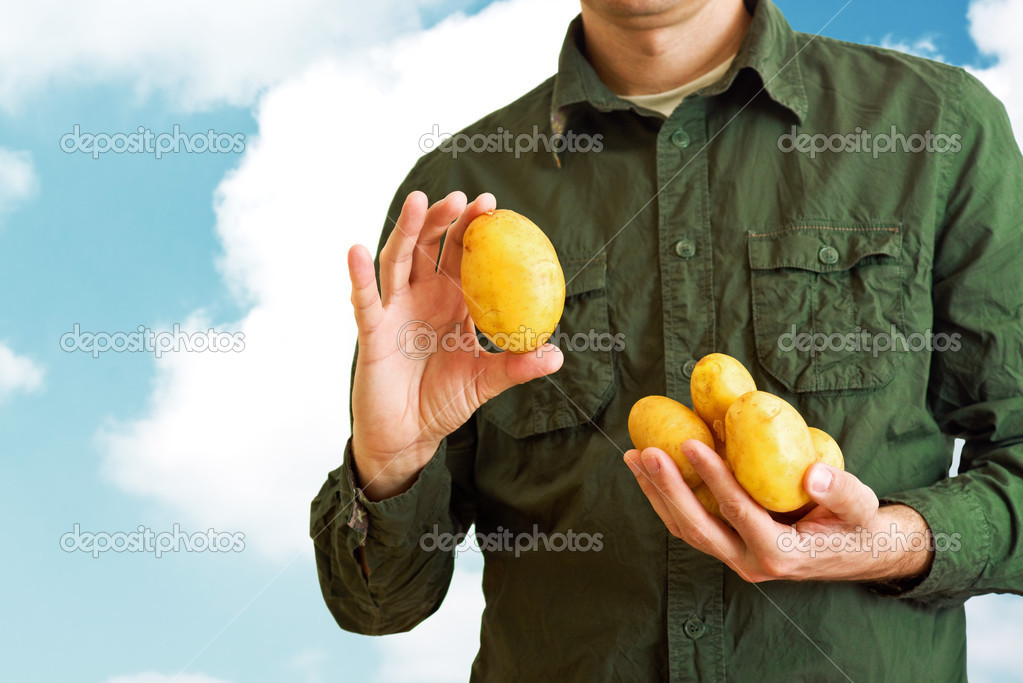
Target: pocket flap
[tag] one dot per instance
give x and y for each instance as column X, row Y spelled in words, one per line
column 585, row 275
column 823, row 247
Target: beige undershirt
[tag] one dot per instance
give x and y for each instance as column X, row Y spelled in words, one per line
column 665, row 102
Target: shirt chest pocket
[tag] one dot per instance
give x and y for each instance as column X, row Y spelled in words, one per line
column 827, row 304
column 585, row 383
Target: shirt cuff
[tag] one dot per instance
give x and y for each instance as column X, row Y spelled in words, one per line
column 390, row 522
column 961, row 541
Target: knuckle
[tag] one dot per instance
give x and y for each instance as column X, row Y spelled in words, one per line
column 696, row 538
column 733, row 510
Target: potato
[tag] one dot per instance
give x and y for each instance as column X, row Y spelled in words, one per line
column 666, row 424
column 708, row 501
column 826, row 448
column 716, row 382
column 769, row 448
column 512, row 281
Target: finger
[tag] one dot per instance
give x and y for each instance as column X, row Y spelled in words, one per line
column 396, row 256
column 696, row 526
column 841, row 493
column 745, row 515
column 451, row 255
column 633, row 458
column 438, row 219
column 365, row 297
column 502, row 371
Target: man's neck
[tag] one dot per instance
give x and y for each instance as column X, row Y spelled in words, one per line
column 652, row 52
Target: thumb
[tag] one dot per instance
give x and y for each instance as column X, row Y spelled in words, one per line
column 504, row 370
column 840, row 492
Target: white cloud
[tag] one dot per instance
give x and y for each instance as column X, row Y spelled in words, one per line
column 18, row 180
column 993, row 637
column 921, row 47
column 197, row 53
column 150, row 677
column 242, row 441
column 18, row 373
column 441, row 649
column 994, row 27
column 308, row 666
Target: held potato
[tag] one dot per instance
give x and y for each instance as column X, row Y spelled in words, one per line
column 769, row 449
column 666, row 424
column 708, row 501
column 717, row 381
column 826, row 448
column 512, row 281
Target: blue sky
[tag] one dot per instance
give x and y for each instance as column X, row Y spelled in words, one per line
column 254, row 242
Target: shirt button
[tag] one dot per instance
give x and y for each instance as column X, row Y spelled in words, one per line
column 685, row 248
column 680, row 139
column 828, row 256
column 688, row 367
column 694, row 628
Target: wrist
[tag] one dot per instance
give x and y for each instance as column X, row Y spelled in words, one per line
column 910, row 544
column 384, row 475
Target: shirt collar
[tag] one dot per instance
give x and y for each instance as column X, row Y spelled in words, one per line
column 770, row 49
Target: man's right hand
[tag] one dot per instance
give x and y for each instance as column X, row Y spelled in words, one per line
column 409, row 390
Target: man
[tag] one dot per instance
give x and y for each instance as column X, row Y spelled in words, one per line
column 806, row 188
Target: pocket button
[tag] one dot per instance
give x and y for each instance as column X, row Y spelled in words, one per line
column 828, row 256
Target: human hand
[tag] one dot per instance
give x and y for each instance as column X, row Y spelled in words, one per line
column 408, row 393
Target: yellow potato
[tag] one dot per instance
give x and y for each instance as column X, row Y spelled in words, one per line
column 658, row 421
column 709, row 502
column 717, row 381
column 769, row 449
column 512, row 281
column 826, row 448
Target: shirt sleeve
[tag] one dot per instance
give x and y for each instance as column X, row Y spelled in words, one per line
column 976, row 387
column 385, row 566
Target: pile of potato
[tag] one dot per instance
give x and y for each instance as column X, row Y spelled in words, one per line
column 763, row 439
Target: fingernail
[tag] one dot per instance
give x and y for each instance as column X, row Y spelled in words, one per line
column 820, row 479
column 692, row 454
column 651, row 464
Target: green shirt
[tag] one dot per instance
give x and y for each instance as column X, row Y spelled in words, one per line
column 711, row 231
